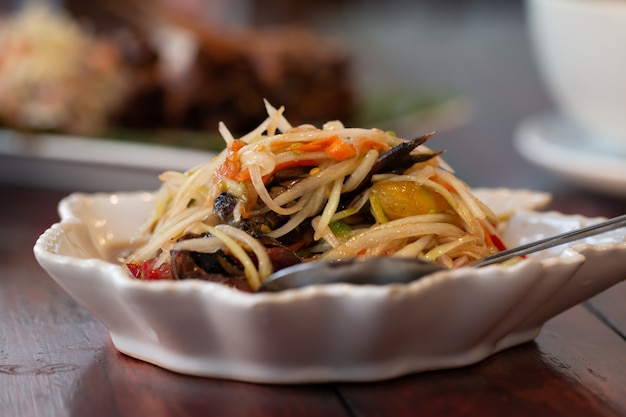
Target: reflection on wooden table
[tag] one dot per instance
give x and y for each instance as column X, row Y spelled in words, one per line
column 57, row 360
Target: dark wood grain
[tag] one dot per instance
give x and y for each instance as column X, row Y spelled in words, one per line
column 138, row 388
column 610, row 306
column 561, row 374
column 57, row 360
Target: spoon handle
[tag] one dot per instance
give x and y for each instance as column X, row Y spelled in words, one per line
column 560, row 239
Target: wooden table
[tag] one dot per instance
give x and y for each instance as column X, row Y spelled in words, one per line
column 57, row 360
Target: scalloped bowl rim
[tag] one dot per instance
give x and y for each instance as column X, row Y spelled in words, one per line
column 299, row 336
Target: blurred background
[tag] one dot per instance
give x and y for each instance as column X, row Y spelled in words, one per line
column 177, row 68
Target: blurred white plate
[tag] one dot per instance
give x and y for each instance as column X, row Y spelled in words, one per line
column 324, row 333
column 553, row 144
column 89, row 164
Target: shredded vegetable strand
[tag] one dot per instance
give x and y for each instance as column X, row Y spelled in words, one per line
column 264, row 264
column 282, row 123
column 440, row 250
column 275, row 120
column 461, row 189
column 200, row 245
column 456, row 201
column 242, row 256
column 257, row 182
column 311, row 207
column 198, row 178
column 413, row 250
column 329, row 210
column 322, row 177
column 329, row 237
column 170, row 231
column 226, row 135
column 314, row 192
column 353, row 209
column 377, row 234
column 361, row 172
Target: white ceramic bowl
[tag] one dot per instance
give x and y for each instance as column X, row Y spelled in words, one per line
column 329, row 332
column 580, row 48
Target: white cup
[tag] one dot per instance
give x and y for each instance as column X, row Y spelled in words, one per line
column 580, row 49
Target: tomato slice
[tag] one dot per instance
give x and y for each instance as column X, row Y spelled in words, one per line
column 146, row 270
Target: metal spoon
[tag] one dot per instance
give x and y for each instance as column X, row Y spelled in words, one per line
column 387, row 270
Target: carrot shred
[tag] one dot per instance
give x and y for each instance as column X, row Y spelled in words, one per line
column 231, row 166
column 333, row 145
column 488, row 239
column 493, row 240
column 340, row 150
column 316, row 145
column 365, row 145
column 291, row 164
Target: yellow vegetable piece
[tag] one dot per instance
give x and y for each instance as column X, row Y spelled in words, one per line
column 399, row 199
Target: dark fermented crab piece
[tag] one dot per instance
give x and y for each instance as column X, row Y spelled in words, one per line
column 397, row 160
column 224, row 206
column 207, row 267
column 223, row 268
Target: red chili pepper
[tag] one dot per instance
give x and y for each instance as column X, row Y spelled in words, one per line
column 498, row 243
column 147, row 271
column 231, row 166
